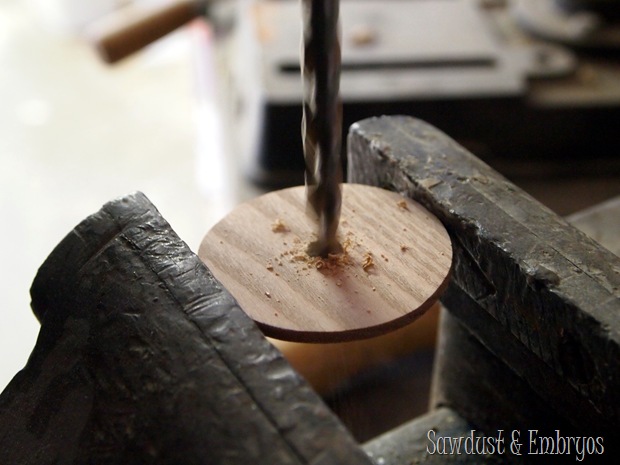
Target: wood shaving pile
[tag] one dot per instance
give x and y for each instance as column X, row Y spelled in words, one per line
column 297, row 253
column 334, row 263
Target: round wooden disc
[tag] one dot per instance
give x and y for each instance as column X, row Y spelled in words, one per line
column 396, row 263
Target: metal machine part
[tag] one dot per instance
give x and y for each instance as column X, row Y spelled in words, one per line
column 583, row 24
column 522, row 104
column 530, row 87
column 322, row 119
column 144, row 358
column 528, row 337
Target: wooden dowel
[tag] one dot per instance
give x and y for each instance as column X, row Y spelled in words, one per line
column 329, row 366
column 130, row 29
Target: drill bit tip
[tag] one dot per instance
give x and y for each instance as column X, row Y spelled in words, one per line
column 322, row 119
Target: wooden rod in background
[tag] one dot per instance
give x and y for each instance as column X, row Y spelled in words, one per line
column 130, row 29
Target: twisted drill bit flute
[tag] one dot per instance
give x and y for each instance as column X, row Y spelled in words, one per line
column 322, row 119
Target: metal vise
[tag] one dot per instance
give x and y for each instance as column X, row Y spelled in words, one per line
column 144, row 358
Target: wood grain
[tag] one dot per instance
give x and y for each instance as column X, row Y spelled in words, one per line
column 397, row 261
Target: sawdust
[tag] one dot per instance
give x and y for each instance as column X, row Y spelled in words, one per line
column 402, row 204
column 353, row 256
column 334, row 264
column 368, row 262
column 279, row 226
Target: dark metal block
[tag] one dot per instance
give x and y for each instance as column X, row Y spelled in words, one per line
column 418, row 442
column 144, row 358
column 541, row 298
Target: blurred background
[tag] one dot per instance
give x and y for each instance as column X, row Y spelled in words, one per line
column 209, row 115
column 76, row 133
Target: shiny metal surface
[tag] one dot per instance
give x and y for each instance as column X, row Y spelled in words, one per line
column 322, row 119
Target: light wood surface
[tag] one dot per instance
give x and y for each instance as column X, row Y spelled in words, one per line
column 329, row 366
column 396, row 263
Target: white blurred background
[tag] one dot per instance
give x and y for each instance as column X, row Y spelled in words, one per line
column 75, row 133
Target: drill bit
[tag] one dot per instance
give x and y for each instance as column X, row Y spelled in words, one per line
column 322, row 119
